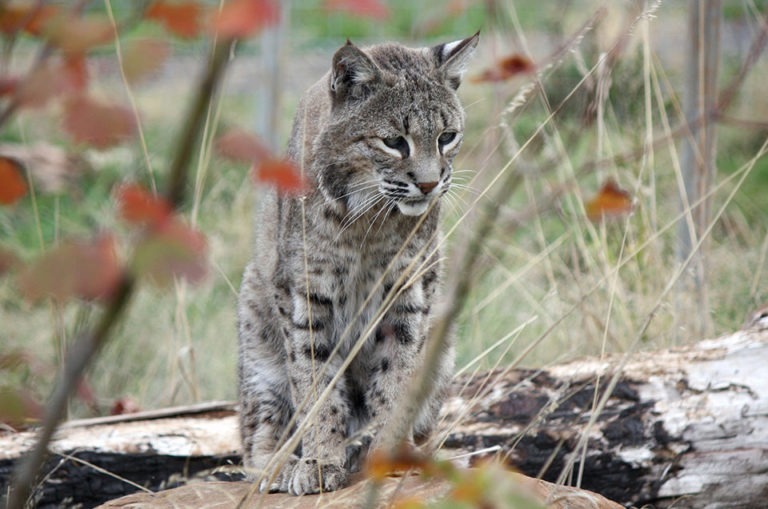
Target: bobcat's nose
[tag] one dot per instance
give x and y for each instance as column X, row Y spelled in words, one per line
column 426, row 187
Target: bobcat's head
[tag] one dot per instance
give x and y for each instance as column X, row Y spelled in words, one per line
column 395, row 125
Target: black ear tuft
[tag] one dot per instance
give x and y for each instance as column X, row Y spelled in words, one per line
column 452, row 57
column 353, row 73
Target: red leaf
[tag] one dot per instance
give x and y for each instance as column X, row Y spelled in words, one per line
column 282, row 174
column 29, row 18
column 8, row 86
column 76, row 35
column 382, row 464
column 363, row 8
column 610, row 201
column 88, row 269
column 8, row 261
column 243, row 18
column 51, row 79
column 179, row 18
column 506, row 68
column 36, row 88
column 13, row 186
column 240, row 146
column 96, row 124
column 138, row 206
column 74, row 71
column 124, row 406
column 169, row 251
column 144, row 57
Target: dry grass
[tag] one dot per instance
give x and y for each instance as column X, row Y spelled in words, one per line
column 580, row 288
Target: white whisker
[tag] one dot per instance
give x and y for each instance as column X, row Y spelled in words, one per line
column 359, row 187
column 359, row 211
column 373, row 221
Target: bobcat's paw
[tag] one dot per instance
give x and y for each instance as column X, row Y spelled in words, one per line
column 281, row 480
column 310, row 476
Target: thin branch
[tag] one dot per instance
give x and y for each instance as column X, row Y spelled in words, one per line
column 78, row 358
column 87, row 346
column 193, row 125
column 743, row 122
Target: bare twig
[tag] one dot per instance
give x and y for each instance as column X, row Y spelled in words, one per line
column 88, row 345
column 78, row 358
column 193, row 124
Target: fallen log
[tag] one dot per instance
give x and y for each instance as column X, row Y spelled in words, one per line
column 686, row 427
column 95, row 460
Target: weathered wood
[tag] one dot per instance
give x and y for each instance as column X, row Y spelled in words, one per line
column 687, row 427
column 96, row 460
column 212, row 495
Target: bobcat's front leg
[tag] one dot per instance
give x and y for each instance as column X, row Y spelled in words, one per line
column 398, row 353
column 310, row 368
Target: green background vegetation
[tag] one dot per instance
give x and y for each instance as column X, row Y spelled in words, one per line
column 555, row 270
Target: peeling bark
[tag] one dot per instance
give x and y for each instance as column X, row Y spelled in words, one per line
column 687, row 427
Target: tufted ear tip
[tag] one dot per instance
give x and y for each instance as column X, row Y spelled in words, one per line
column 452, row 58
column 352, row 73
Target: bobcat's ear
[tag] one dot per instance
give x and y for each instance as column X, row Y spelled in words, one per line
column 353, row 73
column 452, row 58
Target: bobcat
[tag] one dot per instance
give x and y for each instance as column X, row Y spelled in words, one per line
column 376, row 136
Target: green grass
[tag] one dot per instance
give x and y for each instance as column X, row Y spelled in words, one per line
column 578, row 288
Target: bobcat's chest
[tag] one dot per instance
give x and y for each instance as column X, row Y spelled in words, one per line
column 360, row 290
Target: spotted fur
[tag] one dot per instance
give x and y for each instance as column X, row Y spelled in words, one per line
column 377, row 136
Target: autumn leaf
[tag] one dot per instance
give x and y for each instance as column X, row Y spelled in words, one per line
column 240, row 146
column 8, row 261
column 244, row 18
column 282, row 174
column 75, row 35
column 171, row 250
column 122, row 406
column 471, row 488
column 610, row 201
column 96, row 124
column 182, row 19
column 8, row 85
column 506, row 68
column 39, row 86
column 138, row 206
column 74, row 73
column 412, row 502
column 144, row 57
column 88, row 269
column 13, row 185
column 382, row 464
column 52, row 79
column 29, row 18
column 364, row 8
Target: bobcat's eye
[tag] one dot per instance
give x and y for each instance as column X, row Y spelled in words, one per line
column 398, row 143
column 445, row 138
